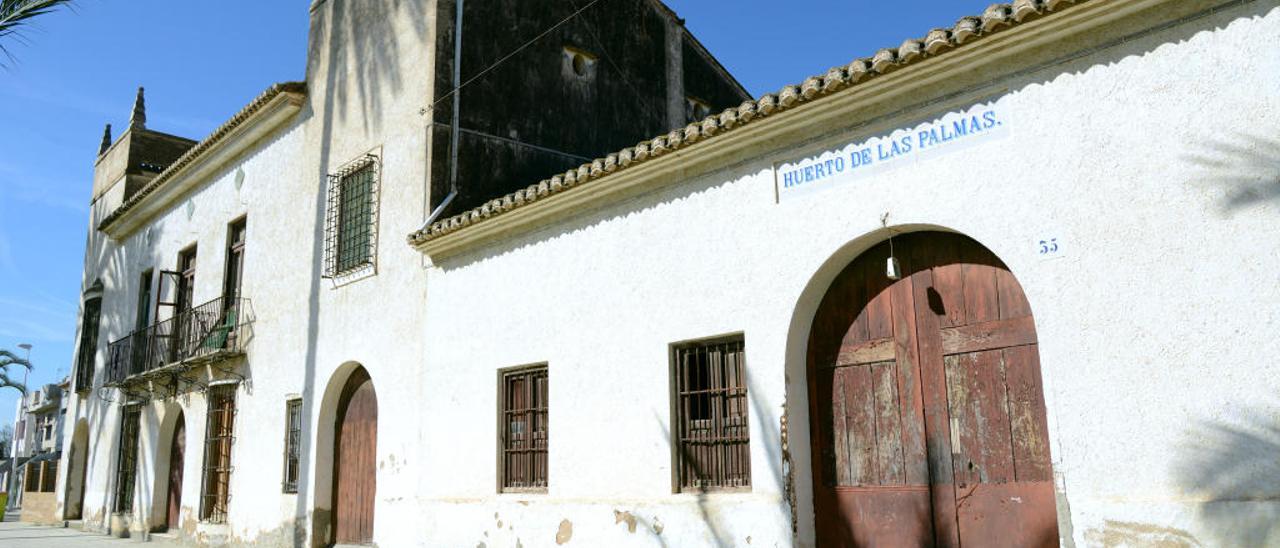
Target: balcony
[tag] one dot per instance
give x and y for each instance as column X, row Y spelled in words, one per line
column 212, row 332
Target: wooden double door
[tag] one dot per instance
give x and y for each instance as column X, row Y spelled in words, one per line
column 927, row 407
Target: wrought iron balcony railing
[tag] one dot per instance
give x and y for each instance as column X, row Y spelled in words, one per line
column 212, row 331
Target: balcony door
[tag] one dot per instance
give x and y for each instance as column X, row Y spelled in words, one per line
column 230, row 313
column 142, row 320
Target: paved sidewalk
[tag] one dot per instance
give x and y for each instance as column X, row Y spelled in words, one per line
column 21, row 535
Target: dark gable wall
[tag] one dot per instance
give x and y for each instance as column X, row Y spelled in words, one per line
column 535, row 98
column 704, row 81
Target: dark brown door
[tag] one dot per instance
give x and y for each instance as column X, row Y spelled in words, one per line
column 929, row 419
column 355, row 453
column 177, row 456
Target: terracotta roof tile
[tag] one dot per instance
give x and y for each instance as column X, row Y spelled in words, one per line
column 203, row 146
column 938, row 41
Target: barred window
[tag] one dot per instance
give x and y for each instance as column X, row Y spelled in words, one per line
column 127, row 461
column 88, row 344
column 351, row 227
column 711, row 416
column 216, row 489
column 292, row 443
column 524, row 429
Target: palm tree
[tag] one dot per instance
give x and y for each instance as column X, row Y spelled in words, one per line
column 8, row 358
column 16, row 13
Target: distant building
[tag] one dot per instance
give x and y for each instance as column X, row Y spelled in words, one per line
column 1007, row 283
column 37, row 447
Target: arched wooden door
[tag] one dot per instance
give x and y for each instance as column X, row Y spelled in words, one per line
column 177, row 457
column 928, row 411
column 354, row 461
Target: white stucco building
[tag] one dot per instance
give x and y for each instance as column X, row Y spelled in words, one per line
column 1011, row 282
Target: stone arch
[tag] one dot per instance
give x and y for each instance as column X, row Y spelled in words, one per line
column 331, row 402
column 170, row 415
column 797, row 348
column 77, row 469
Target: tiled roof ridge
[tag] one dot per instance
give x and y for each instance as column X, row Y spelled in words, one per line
column 995, row 18
column 204, row 145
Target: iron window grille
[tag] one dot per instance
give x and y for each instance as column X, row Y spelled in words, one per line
column 292, row 444
column 88, row 345
column 215, row 491
column 351, row 227
column 524, row 430
column 713, row 440
column 127, row 462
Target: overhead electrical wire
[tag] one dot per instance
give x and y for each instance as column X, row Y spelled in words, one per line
column 508, row 56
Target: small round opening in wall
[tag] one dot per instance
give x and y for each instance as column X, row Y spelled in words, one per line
column 579, row 64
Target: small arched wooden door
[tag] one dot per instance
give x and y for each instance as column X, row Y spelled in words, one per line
column 354, row 461
column 177, row 457
column 928, row 411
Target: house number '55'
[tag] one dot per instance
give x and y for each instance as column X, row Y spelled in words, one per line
column 1048, row 247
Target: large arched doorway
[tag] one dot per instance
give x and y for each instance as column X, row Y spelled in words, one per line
column 354, row 460
column 926, row 403
column 177, row 458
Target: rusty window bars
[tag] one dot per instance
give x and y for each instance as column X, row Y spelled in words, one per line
column 351, row 235
column 292, row 444
column 127, row 460
column 215, row 491
column 524, row 429
column 712, row 436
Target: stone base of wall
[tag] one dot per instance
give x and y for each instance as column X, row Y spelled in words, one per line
column 120, row 525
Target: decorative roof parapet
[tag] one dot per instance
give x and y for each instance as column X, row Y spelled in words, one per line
column 106, row 141
column 139, row 117
column 202, row 147
column 995, row 18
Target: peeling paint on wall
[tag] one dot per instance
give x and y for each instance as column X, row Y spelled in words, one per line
column 565, row 532
column 619, row 517
column 1124, row 533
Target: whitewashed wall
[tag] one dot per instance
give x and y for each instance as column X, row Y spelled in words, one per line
column 1155, row 322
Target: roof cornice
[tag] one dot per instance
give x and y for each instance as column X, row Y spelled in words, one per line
column 916, row 68
column 257, row 119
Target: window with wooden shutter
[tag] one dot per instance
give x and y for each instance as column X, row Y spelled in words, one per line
column 524, row 429
column 712, row 437
column 85, row 360
column 351, row 224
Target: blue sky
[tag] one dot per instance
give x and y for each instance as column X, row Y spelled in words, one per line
column 202, row 61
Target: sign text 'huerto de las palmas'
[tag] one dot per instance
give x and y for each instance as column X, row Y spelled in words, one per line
column 953, row 131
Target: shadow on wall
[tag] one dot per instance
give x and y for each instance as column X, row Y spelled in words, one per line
column 369, row 59
column 767, row 431
column 1234, row 469
column 1246, row 169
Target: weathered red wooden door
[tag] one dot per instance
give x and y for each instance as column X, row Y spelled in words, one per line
column 177, row 456
column 355, row 453
column 929, row 419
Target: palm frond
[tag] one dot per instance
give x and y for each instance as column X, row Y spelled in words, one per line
column 14, row 14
